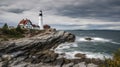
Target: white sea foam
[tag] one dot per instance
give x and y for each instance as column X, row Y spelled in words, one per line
column 71, row 55
column 67, row 45
column 115, row 42
column 69, row 52
column 94, row 39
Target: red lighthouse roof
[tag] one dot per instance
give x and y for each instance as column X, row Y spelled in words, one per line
column 24, row 22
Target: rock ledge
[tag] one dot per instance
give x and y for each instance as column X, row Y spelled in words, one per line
column 31, row 52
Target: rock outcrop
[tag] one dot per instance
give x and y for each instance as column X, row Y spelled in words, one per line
column 82, row 56
column 30, row 52
column 38, row 51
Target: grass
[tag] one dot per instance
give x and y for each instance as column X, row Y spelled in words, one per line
column 6, row 34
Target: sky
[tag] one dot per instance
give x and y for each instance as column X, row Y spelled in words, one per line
column 64, row 14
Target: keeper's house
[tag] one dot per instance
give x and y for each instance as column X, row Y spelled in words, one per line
column 27, row 24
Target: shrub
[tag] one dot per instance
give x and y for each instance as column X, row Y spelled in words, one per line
column 5, row 29
column 117, row 55
column 5, row 26
column 12, row 33
column 115, row 62
column 18, row 29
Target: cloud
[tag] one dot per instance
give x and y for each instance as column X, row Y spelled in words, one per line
column 99, row 9
column 16, row 11
column 79, row 14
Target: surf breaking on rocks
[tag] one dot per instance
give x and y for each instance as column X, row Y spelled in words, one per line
column 69, row 50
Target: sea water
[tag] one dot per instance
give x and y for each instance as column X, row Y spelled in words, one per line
column 103, row 44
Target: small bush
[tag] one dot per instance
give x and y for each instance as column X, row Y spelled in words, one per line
column 5, row 29
column 115, row 62
column 12, row 33
column 18, row 29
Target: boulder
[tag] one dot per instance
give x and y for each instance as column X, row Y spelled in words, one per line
column 68, row 65
column 7, row 57
column 82, row 64
column 5, row 64
column 59, row 62
column 96, row 61
column 92, row 65
column 88, row 38
column 80, row 55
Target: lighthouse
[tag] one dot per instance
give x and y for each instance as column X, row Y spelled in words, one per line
column 40, row 20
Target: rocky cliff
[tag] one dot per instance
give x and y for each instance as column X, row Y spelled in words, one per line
column 34, row 51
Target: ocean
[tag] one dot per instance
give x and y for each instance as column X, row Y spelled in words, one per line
column 103, row 44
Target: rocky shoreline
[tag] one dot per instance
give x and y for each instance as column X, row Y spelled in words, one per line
column 36, row 52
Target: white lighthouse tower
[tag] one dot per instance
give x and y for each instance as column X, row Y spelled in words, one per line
column 40, row 20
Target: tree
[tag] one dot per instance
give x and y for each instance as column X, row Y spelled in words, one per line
column 5, row 28
column 18, row 29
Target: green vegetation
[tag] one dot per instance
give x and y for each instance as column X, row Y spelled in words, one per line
column 18, row 29
column 7, row 33
column 115, row 62
column 5, row 29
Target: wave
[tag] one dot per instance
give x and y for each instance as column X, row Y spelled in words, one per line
column 67, row 45
column 71, row 55
column 70, row 49
column 115, row 42
column 93, row 39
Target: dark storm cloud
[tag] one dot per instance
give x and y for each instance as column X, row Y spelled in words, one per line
column 3, row 5
column 16, row 10
column 65, row 25
column 100, row 9
column 102, row 26
column 70, row 13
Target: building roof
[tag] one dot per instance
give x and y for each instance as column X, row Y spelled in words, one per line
column 24, row 22
column 46, row 26
column 35, row 25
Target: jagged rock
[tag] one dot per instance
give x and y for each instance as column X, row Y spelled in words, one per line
column 88, row 38
column 50, row 58
column 45, row 56
column 38, row 42
column 59, row 62
column 92, row 65
column 68, row 65
column 30, row 52
column 87, row 60
column 0, row 59
column 96, row 61
column 5, row 64
column 17, row 61
column 80, row 55
column 76, row 61
column 7, row 57
column 82, row 64
column 1, row 64
column 21, row 65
